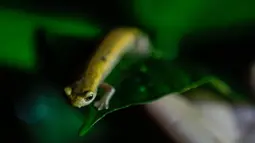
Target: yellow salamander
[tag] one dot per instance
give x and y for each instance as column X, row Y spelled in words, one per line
column 116, row 44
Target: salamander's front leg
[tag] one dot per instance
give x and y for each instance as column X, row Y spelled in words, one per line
column 103, row 103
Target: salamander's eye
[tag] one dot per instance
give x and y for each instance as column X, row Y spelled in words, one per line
column 89, row 96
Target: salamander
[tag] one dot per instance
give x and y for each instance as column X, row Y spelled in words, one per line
column 114, row 46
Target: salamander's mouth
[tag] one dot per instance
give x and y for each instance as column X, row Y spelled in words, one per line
column 79, row 102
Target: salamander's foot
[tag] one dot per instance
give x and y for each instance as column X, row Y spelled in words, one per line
column 103, row 103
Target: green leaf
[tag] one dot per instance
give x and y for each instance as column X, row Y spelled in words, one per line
column 144, row 82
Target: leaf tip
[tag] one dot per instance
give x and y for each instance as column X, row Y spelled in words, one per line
column 82, row 133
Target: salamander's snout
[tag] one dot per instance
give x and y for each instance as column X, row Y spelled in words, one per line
column 78, row 102
column 68, row 91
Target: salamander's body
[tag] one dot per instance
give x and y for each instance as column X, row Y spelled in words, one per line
column 114, row 46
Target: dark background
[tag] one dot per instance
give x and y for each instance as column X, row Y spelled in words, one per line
column 228, row 53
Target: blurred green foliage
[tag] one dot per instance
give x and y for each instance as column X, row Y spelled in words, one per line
column 18, row 35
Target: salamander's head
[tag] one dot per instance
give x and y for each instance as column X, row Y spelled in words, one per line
column 80, row 99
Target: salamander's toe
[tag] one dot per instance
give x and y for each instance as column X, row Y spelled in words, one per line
column 101, row 105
